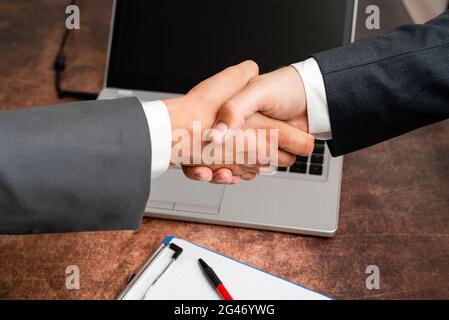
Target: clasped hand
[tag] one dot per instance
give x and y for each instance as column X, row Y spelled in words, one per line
column 238, row 124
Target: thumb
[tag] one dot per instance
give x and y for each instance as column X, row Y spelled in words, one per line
column 234, row 112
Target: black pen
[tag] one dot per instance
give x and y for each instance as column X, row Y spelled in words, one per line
column 216, row 282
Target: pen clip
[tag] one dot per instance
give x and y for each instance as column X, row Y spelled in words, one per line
column 177, row 252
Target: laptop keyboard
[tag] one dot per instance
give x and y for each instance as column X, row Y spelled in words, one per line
column 313, row 165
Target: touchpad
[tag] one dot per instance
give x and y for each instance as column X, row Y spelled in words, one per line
column 174, row 191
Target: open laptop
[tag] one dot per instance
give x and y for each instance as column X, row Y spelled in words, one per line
column 161, row 49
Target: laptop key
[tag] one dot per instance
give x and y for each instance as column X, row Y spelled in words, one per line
column 282, row 169
column 299, row 168
column 316, row 169
column 318, row 159
column 302, row 159
column 319, row 149
column 319, row 142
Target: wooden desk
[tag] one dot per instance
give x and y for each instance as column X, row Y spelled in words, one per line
column 394, row 207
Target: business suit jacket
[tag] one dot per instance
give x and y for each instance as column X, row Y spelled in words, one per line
column 86, row 166
column 382, row 87
column 75, row 167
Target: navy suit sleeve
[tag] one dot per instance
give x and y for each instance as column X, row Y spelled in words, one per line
column 385, row 86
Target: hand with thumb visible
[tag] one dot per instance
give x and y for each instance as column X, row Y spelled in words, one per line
column 279, row 95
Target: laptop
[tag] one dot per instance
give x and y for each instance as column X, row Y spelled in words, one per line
column 161, row 49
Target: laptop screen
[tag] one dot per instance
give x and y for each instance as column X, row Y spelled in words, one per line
column 171, row 45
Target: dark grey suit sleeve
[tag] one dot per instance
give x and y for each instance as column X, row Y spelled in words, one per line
column 382, row 87
column 74, row 167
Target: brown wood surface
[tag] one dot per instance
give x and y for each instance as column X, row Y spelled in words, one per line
column 394, row 200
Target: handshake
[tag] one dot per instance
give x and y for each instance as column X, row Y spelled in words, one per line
column 238, row 124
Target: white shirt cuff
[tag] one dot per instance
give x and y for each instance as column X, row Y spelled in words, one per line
column 161, row 136
column 317, row 108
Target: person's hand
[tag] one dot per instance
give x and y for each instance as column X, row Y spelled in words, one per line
column 279, row 95
column 202, row 103
column 288, row 138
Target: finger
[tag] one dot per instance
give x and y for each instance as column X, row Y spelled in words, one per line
column 235, row 180
column 289, row 138
column 222, row 176
column 294, row 140
column 248, row 176
column 198, row 173
column 234, row 112
column 224, row 85
column 300, row 122
column 267, row 170
column 285, row 159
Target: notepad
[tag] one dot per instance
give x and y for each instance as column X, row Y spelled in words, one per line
column 184, row 279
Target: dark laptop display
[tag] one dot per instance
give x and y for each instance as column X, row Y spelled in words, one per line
column 171, row 45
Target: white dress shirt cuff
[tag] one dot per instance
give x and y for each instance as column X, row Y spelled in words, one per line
column 161, row 136
column 317, row 108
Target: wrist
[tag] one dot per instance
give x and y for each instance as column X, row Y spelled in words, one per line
column 172, row 112
column 181, row 124
column 300, row 98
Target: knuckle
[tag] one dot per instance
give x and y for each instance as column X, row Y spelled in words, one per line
column 229, row 106
column 310, row 145
column 303, row 145
column 229, row 113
